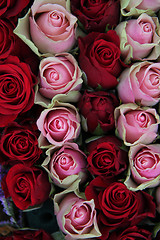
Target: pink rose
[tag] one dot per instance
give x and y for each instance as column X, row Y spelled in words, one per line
column 144, row 165
column 136, row 125
column 66, row 164
column 59, row 75
column 138, row 38
column 148, row 4
column 142, row 84
column 77, row 218
column 58, row 124
column 52, row 27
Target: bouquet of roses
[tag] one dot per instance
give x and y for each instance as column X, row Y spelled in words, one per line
column 79, row 118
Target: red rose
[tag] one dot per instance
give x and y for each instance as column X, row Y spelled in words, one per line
column 16, row 89
column 131, row 233
column 100, row 58
column 29, row 235
column 7, row 38
column 96, row 15
column 19, row 144
column 117, row 205
column 106, row 158
column 27, row 186
column 98, row 110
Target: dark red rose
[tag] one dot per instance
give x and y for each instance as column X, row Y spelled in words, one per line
column 98, row 110
column 27, row 186
column 105, row 157
column 96, row 15
column 19, row 144
column 131, row 233
column 118, row 206
column 29, row 235
column 12, row 8
column 7, row 38
column 100, row 59
column 16, row 89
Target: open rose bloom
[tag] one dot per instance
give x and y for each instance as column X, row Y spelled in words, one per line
column 144, row 166
column 142, row 84
column 136, row 124
column 60, row 78
column 136, row 7
column 139, row 39
column 49, row 27
column 66, row 164
column 76, row 216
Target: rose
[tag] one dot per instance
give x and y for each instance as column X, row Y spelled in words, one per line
column 59, row 75
column 95, row 16
column 66, row 164
column 8, row 39
column 77, row 218
column 100, row 58
column 59, row 124
column 141, row 82
column 118, row 206
column 54, row 25
column 105, row 157
column 19, row 144
column 136, row 7
column 16, row 89
column 144, row 164
column 131, row 233
column 138, row 38
column 97, row 109
column 135, row 124
column 9, row 9
column 27, row 186
column 29, row 235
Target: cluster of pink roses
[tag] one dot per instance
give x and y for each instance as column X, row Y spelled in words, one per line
column 95, row 85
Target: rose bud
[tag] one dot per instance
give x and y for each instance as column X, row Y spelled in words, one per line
column 58, row 124
column 95, row 16
column 136, row 125
column 144, row 166
column 19, row 144
column 76, row 217
column 139, row 39
column 53, row 25
column 27, row 186
column 59, row 75
column 97, row 110
column 100, row 59
column 65, row 165
column 136, row 7
column 106, row 158
column 142, row 84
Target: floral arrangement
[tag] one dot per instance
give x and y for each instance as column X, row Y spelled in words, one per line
column 79, row 119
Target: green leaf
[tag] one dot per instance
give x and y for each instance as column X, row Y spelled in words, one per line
column 58, row 236
column 98, row 131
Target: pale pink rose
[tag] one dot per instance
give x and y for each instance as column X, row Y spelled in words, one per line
column 66, row 164
column 77, row 218
column 138, row 38
column 59, row 124
column 148, row 4
column 52, row 28
column 59, row 75
column 142, row 84
column 145, row 163
column 136, row 125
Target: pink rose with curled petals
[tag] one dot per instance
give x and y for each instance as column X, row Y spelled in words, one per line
column 77, row 218
column 142, row 84
column 139, row 39
column 52, row 28
column 59, row 75
column 59, row 124
column 66, row 164
column 135, row 124
column 145, row 164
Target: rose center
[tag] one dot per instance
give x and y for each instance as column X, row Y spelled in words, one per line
column 55, row 19
column 154, row 79
column 146, row 27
